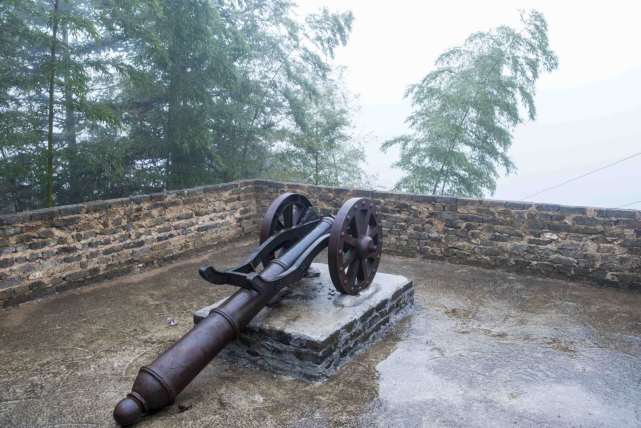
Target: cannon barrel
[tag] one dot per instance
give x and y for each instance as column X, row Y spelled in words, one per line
column 158, row 384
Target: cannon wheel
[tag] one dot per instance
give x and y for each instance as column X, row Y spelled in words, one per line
column 287, row 210
column 355, row 245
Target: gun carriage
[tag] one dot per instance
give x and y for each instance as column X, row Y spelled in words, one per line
column 292, row 234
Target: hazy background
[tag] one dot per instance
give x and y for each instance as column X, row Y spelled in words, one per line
column 589, row 111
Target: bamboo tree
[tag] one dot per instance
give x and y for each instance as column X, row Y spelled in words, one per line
column 465, row 110
column 321, row 147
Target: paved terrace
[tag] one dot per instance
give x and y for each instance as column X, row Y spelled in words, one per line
column 483, row 348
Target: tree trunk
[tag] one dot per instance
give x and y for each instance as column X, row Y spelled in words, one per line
column 173, row 161
column 443, row 174
column 70, row 113
column 442, row 178
column 52, row 77
column 316, row 167
column 175, row 157
column 69, row 131
column 180, row 168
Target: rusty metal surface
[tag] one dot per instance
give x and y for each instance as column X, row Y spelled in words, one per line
column 292, row 235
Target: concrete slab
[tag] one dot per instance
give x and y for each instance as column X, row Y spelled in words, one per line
column 314, row 329
column 481, row 348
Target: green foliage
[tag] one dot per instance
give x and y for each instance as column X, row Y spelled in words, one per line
column 465, row 110
column 22, row 114
column 104, row 98
column 46, row 73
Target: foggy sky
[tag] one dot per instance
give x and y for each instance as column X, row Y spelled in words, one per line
column 589, row 111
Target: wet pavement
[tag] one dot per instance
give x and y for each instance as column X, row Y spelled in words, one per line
column 483, row 348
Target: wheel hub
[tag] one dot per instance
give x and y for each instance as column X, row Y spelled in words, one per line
column 365, row 246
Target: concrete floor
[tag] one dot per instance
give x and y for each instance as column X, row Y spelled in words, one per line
column 483, row 348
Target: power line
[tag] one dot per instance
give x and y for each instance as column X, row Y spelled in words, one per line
column 547, row 189
column 631, row 203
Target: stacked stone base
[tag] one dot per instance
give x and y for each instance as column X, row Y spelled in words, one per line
column 314, row 330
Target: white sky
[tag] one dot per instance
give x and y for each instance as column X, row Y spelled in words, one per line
column 588, row 111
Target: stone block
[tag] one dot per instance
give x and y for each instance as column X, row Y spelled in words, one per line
column 314, row 329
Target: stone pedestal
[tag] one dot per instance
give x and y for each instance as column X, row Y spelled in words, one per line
column 314, row 329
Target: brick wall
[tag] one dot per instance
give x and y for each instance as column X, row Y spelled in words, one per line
column 55, row 249
column 601, row 246
column 50, row 250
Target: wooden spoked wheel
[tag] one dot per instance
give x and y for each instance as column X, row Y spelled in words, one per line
column 287, row 210
column 355, row 246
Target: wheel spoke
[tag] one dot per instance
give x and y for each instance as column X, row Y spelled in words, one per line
column 307, row 212
column 361, row 226
column 349, row 240
column 279, row 225
column 351, row 272
column 288, row 214
column 348, row 258
column 298, row 214
column 364, row 267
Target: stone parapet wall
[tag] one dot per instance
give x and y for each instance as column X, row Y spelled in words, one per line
column 50, row 250
column 601, row 246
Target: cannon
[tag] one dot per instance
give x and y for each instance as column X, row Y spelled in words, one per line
column 292, row 234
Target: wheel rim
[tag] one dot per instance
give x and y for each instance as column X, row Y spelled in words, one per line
column 355, row 246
